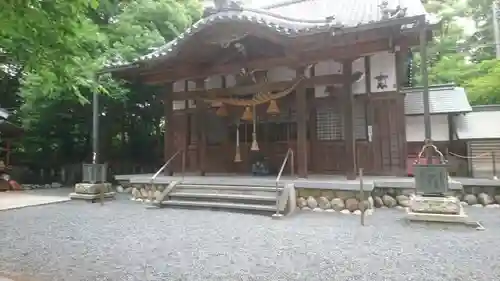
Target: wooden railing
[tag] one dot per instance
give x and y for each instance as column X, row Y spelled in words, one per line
column 289, row 154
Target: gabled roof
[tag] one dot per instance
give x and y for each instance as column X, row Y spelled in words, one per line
column 478, row 125
column 443, row 99
column 297, row 17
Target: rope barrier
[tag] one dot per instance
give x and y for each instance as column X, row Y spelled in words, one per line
column 470, row 157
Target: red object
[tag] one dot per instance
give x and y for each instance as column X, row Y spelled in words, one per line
column 14, row 185
column 412, row 160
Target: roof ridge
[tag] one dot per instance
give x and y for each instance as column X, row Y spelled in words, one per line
column 282, row 4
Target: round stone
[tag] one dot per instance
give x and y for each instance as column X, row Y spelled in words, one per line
column 337, row 204
column 484, row 199
column 345, row 212
column 389, row 201
column 377, row 201
column 311, row 202
column 301, row 202
column 351, row 204
column 324, row 203
column 471, row 199
column 317, row 210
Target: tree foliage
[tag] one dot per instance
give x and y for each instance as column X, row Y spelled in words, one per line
column 50, row 54
column 467, row 60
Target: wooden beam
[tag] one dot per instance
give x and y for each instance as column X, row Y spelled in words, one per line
column 261, row 87
column 179, row 72
column 349, row 137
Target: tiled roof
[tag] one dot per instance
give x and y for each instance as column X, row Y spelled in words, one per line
column 478, row 125
column 442, row 99
column 294, row 18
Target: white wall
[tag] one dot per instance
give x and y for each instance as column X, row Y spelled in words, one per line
column 415, row 128
column 280, row 74
column 383, row 64
column 325, row 68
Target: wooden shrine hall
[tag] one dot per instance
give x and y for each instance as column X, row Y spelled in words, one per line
column 313, row 78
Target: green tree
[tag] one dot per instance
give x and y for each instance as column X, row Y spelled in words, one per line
column 57, row 117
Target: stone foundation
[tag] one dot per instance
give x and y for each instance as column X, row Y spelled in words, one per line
column 322, row 200
column 92, row 191
column 348, row 201
column 146, row 192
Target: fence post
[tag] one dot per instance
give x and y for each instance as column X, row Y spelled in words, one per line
column 362, row 196
column 494, row 165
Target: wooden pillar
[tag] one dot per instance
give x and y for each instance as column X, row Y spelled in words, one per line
column 348, row 105
column 201, row 108
column 168, row 149
column 301, row 106
column 401, row 74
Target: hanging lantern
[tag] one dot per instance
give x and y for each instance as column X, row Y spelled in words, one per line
column 273, row 108
column 247, row 114
column 221, row 111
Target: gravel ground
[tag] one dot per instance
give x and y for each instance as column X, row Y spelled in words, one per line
column 125, row 241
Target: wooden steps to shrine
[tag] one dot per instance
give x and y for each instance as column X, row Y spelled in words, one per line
column 260, row 199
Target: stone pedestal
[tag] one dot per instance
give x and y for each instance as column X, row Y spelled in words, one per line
column 436, row 209
column 92, row 191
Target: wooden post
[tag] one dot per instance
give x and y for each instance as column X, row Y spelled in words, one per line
column 425, row 86
column 494, row 165
column 168, row 149
column 301, row 106
column 362, row 196
column 7, row 152
column 201, row 108
column 348, row 105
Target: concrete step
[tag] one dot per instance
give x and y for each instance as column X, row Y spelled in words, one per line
column 223, row 196
column 219, row 205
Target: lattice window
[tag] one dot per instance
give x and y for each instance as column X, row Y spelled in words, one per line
column 329, row 124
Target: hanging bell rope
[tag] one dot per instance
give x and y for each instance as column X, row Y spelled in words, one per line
column 237, row 156
column 255, row 145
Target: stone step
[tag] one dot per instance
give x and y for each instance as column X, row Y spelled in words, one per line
column 223, row 196
column 219, row 205
column 209, row 189
column 226, row 187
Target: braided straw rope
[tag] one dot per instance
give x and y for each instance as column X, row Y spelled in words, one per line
column 259, row 98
